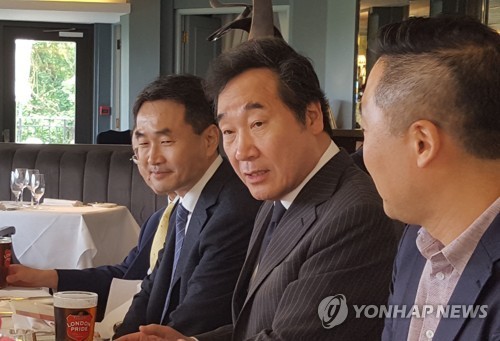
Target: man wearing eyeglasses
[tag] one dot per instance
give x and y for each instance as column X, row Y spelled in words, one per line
column 176, row 148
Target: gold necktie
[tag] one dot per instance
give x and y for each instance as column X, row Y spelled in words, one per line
column 160, row 235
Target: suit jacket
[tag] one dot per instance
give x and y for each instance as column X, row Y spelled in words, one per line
column 333, row 239
column 478, row 285
column 210, row 260
column 134, row 266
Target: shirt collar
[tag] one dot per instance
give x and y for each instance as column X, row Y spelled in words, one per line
column 460, row 250
column 330, row 152
column 191, row 197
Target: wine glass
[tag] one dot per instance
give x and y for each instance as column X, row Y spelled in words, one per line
column 16, row 186
column 29, row 173
column 20, row 175
column 37, row 187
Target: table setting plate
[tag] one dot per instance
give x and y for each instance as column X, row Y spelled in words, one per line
column 103, row 204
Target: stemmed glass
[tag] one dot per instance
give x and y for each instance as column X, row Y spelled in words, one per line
column 22, row 180
column 29, row 173
column 16, row 186
column 37, row 187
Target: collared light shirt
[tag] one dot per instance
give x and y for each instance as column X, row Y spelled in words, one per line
column 330, row 152
column 191, row 197
column 443, row 268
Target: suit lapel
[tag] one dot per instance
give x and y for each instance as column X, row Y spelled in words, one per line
column 412, row 267
column 261, row 222
column 198, row 220
column 199, row 216
column 472, row 280
column 293, row 225
column 241, row 290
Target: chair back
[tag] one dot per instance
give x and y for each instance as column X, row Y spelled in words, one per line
column 114, row 137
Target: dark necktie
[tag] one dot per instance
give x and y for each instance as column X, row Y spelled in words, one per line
column 181, row 217
column 278, row 212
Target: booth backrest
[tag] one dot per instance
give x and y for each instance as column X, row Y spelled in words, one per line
column 89, row 173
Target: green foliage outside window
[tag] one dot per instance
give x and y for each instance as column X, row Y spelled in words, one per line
column 49, row 115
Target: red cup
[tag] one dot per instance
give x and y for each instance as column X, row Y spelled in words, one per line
column 5, row 259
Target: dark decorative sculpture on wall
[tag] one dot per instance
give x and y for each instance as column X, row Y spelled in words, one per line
column 259, row 25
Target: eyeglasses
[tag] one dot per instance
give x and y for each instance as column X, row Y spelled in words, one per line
column 134, row 159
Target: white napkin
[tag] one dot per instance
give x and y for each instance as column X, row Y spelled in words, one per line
column 120, row 298
column 9, row 206
column 20, row 292
column 36, row 314
column 62, row 202
column 30, row 323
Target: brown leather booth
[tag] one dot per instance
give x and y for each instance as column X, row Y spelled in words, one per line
column 89, row 173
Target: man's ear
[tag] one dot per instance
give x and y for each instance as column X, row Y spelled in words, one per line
column 425, row 141
column 314, row 117
column 211, row 135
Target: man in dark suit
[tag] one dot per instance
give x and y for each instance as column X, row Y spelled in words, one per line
column 209, row 229
column 431, row 114
column 135, row 266
column 181, row 156
column 333, row 246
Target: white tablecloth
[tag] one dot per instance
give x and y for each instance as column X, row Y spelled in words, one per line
column 66, row 237
column 20, row 327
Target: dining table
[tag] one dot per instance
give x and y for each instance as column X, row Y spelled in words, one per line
column 63, row 235
column 26, row 314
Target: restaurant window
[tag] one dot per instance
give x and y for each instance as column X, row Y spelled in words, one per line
column 374, row 14
column 47, row 73
column 45, row 91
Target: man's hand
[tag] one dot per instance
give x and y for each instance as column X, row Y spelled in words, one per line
column 22, row 276
column 155, row 332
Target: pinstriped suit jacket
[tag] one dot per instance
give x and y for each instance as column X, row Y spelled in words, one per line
column 334, row 239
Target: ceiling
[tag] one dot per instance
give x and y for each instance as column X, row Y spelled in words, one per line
column 110, row 11
column 63, row 11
